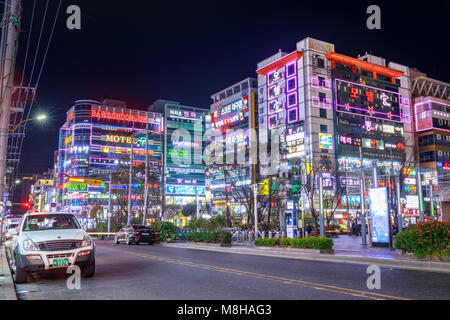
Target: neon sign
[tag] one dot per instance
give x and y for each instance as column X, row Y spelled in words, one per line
column 236, row 106
column 362, row 100
column 120, row 116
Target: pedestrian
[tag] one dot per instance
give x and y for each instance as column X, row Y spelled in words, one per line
column 308, row 230
column 353, row 229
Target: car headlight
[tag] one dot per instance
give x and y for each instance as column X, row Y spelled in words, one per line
column 87, row 242
column 29, row 245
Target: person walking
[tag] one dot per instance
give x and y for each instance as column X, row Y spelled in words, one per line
column 308, row 230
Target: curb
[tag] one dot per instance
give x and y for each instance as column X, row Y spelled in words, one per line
column 7, row 283
column 427, row 266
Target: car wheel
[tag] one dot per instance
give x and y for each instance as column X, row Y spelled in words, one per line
column 89, row 270
column 137, row 242
column 129, row 242
column 20, row 275
column 116, row 241
column 151, row 243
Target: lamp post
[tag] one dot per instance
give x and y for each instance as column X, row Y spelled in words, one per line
column 255, row 204
column 39, row 118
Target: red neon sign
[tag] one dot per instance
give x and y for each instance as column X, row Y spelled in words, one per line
column 118, row 116
column 354, row 93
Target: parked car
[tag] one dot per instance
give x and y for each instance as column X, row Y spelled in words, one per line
column 49, row 241
column 135, row 234
column 10, row 231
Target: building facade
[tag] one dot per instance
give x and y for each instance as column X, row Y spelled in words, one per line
column 99, row 140
column 183, row 167
column 431, row 100
column 234, row 118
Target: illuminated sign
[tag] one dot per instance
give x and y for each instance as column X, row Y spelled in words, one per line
column 350, row 141
column 79, row 149
column 350, row 182
column 120, row 139
column 236, row 106
column 120, row 116
column 326, row 141
column 378, row 202
column 189, row 115
column 373, row 144
column 412, row 202
column 77, row 186
column 185, row 190
column 366, row 101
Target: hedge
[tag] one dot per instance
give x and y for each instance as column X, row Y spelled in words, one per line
column 302, row 243
column 209, row 237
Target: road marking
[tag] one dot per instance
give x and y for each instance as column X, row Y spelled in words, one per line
column 312, row 285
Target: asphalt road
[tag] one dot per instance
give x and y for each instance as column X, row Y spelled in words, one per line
column 146, row 272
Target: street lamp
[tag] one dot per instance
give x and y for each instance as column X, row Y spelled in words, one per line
column 255, row 202
column 41, row 117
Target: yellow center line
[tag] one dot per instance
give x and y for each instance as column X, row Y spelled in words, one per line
column 312, row 285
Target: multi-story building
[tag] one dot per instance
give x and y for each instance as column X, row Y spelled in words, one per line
column 326, row 107
column 295, row 108
column 183, row 167
column 431, row 100
column 234, row 117
column 100, row 139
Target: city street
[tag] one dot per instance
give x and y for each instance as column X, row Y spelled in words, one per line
column 163, row 273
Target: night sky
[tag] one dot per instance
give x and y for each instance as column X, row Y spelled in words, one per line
column 139, row 51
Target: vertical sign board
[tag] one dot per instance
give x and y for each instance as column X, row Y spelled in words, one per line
column 291, row 220
column 379, row 217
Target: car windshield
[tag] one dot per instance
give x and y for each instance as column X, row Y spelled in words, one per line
column 140, row 228
column 50, row 222
column 12, row 226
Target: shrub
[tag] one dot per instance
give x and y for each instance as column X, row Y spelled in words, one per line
column 285, row 242
column 226, row 238
column 167, row 230
column 406, row 240
column 209, row 237
column 258, row 242
column 306, row 243
column 432, row 239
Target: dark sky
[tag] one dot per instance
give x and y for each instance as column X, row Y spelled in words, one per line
column 185, row 51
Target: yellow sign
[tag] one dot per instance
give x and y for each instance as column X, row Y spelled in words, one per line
column 265, row 188
column 121, row 139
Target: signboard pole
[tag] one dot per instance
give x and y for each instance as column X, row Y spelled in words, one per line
column 399, row 205
column 322, row 226
column 363, row 207
column 419, row 189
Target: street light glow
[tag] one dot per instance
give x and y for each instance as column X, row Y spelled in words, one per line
column 42, row 117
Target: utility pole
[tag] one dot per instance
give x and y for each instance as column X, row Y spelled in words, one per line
column 109, row 204
column 363, row 205
column 9, row 43
column 146, row 179
column 322, row 226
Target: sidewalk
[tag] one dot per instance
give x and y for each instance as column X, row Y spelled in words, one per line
column 347, row 250
column 7, row 289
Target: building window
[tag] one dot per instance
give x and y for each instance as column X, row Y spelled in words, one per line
column 323, row 128
column 244, row 86
column 229, row 93
column 236, row 89
column 323, row 113
column 322, row 96
column 320, row 63
column 222, row 96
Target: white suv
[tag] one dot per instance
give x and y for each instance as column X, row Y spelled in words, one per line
column 47, row 241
